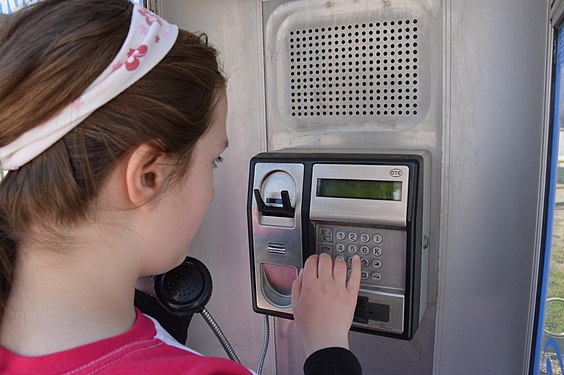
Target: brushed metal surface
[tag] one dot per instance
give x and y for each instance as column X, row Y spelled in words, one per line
column 482, row 128
column 381, row 212
column 492, row 158
column 234, row 26
column 286, row 232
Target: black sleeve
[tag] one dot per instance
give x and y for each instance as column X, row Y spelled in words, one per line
column 332, row 361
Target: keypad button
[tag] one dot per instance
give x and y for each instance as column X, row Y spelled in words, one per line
column 325, row 234
column 327, row 249
column 340, row 247
column 353, row 236
column 364, row 250
column 377, row 263
column 377, row 250
column 340, row 257
column 340, row 235
column 364, row 262
column 364, row 275
column 376, row 276
column 352, row 249
column 377, row 238
column 364, row 237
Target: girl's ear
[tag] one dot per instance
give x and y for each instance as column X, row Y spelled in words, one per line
column 145, row 173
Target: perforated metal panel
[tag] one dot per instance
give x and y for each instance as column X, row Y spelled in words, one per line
column 361, row 69
column 352, row 70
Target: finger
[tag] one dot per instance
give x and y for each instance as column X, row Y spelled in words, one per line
column 354, row 279
column 310, row 268
column 340, row 270
column 325, row 267
column 297, row 288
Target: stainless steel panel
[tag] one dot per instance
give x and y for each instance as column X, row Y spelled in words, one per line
column 234, row 26
column 375, row 132
column 391, row 254
column 485, row 74
column 395, row 302
column 277, row 240
column 277, row 244
column 495, row 76
column 389, row 288
column 360, row 211
column 359, row 62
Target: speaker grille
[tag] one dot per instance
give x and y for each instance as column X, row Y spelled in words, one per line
column 361, row 69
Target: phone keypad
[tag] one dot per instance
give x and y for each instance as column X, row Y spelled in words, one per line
column 344, row 242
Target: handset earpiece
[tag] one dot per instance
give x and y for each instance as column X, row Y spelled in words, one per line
column 186, row 289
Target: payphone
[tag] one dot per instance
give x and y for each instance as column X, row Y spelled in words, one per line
column 342, row 203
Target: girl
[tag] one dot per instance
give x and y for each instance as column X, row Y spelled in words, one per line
column 111, row 123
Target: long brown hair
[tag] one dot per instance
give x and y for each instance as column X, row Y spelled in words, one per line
column 49, row 53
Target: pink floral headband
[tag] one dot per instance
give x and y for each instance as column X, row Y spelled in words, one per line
column 149, row 39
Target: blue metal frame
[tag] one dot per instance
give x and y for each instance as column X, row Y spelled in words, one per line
column 549, row 216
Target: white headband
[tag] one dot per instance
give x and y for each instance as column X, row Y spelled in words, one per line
column 149, row 39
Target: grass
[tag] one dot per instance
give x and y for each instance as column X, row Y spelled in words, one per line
column 554, row 313
column 554, row 318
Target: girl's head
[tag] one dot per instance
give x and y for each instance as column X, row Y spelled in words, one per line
column 49, row 54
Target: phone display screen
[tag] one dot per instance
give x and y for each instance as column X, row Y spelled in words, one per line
column 359, row 189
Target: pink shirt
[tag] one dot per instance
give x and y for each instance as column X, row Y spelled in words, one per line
column 145, row 349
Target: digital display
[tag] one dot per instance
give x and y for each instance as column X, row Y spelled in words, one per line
column 359, row 189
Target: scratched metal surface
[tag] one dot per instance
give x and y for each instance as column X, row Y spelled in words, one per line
column 482, row 127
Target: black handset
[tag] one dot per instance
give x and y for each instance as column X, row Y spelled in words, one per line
column 186, row 289
column 182, row 292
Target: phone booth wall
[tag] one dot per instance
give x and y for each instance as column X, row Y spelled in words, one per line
column 480, row 81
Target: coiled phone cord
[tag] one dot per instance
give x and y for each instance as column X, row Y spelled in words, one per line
column 186, row 289
column 220, row 336
column 227, row 346
column 265, row 340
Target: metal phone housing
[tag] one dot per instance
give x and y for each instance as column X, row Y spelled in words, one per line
column 290, row 218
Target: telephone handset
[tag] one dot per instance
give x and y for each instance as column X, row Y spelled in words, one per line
column 343, row 204
column 181, row 293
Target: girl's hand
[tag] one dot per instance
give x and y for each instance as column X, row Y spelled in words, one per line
column 323, row 302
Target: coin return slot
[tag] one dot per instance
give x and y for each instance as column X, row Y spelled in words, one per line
column 277, row 283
